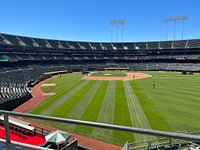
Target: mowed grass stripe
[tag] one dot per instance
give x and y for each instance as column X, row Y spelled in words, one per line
column 72, row 99
column 59, row 101
column 173, row 104
column 61, row 85
column 170, row 84
column 67, row 82
column 121, row 116
column 155, row 117
column 79, row 109
column 58, row 81
column 138, row 117
column 54, row 98
column 106, row 114
column 177, row 97
column 191, row 115
column 92, row 111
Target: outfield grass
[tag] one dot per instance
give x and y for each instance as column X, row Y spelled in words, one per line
column 172, row 106
column 109, row 74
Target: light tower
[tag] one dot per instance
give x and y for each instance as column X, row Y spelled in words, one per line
column 175, row 19
column 116, row 24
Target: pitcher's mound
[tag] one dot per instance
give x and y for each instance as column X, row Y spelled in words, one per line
column 130, row 76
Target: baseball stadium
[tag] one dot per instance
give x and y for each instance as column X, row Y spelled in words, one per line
column 109, row 95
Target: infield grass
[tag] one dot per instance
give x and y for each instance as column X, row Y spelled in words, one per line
column 109, row 74
column 173, row 105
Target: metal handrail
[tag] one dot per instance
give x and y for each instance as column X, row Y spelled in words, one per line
column 25, row 145
column 101, row 125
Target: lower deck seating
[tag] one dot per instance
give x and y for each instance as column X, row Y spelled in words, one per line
column 193, row 67
column 14, row 77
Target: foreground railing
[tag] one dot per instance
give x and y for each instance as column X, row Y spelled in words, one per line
column 164, row 142
column 17, row 145
column 181, row 136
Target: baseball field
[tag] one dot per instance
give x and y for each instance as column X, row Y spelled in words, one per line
column 172, row 105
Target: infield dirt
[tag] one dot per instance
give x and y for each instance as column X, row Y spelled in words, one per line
column 130, row 76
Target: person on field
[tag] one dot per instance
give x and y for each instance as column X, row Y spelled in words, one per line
column 154, row 85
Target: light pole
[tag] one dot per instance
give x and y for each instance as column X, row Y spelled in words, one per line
column 116, row 24
column 167, row 21
column 185, row 17
column 111, row 22
column 123, row 23
column 175, row 19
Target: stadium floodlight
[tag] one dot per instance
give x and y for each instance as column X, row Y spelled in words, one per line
column 117, row 23
column 111, row 22
column 122, row 24
column 174, row 19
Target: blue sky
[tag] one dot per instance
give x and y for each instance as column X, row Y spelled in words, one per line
column 88, row 20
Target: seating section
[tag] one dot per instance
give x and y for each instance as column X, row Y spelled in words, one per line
column 74, row 45
column 194, row 43
column 141, row 45
column 12, row 90
column 2, row 40
column 47, row 43
column 11, row 38
column 77, row 50
column 193, row 67
column 166, row 45
column 118, row 46
column 107, row 46
column 85, row 45
column 130, row 46
column 41, row 42
column 15, row 78
column 96, row 46
column 54, row 43
column 153, row 45
column 180, row 44
column 24, row 60
column 64, row 44
column 26, row 40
